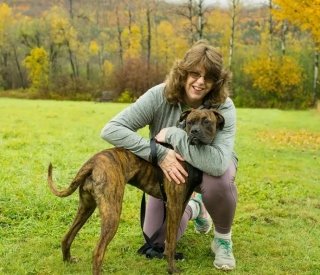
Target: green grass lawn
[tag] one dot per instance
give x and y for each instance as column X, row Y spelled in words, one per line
column 276, row 229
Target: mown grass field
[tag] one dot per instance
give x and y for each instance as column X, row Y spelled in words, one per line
column 276, row 229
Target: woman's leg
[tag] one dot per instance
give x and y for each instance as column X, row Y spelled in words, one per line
column 154, row 220
column 219, row 195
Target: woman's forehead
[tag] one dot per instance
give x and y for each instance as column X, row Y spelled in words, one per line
column 199, row 68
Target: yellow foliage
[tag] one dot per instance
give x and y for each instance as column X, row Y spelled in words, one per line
column 107, row 68
column 132, row 42
column 5, row 21
column 37, row 64
column 61, row 30
column 169, row 46
column 300, row 139
column 5, row 14
column 304, row 14
column 281, row 76
column 94, row 47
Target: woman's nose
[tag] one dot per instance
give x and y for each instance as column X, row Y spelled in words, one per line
column 201, row 80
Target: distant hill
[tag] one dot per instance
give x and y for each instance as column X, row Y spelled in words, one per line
column 34, row 7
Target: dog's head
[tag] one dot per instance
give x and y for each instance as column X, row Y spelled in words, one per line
column 201, row 125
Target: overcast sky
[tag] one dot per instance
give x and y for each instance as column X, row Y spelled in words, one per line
column 225, row 2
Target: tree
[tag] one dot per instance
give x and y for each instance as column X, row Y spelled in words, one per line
column 277, row 79
column 37, row 64
column 194, row 12
column 306, row 15
column 234, row 8
column 63, row 35
column 170, row 47
column 6, row 19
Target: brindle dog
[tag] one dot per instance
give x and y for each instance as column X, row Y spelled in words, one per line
column 102, row 179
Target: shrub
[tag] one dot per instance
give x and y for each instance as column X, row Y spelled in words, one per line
column 276, row 82
column 125, row 97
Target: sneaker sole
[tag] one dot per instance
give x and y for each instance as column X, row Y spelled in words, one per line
column 223, row 267
column 203, row 232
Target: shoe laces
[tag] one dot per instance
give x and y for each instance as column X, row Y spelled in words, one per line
column 225, row 244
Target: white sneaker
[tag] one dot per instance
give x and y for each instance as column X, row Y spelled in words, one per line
column 202, row 221
column 224, row 259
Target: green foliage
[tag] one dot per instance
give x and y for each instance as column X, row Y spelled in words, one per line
column 276, row 224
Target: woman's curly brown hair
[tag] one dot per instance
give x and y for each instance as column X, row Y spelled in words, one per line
column 201, row 53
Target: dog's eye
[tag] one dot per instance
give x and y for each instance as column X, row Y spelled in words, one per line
column 191, row 122
column 206, row 121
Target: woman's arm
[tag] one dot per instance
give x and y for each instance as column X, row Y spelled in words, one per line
column 121, row 131
column 212, row 159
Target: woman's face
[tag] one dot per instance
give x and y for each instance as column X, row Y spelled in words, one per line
column 197, row 87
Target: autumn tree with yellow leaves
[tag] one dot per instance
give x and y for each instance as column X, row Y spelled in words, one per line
column 277, row 80
column 305, row 15
column 37, row 64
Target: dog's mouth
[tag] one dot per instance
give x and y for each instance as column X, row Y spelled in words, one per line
column 196, row 140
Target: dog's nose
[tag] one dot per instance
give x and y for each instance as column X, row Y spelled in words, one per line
column 194, row 131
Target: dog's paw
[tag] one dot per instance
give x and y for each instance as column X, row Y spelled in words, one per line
column 74, row 260
column 174, row 270
column 71, row 260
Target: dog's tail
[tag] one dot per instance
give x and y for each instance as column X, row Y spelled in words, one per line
column 77, row 181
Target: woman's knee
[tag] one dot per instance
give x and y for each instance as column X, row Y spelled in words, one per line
column 213, row 188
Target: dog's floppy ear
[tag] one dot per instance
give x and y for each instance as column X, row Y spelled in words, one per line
column 182, row 120
column 220, row 119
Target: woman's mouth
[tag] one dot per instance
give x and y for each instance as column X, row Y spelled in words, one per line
column 197, row 89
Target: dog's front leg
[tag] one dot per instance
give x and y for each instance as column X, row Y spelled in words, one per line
column 174, row 214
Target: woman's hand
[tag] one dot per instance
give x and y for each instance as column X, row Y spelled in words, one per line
column 170, row 165
column 172, row 168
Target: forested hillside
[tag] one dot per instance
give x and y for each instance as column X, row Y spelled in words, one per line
column 119, row 48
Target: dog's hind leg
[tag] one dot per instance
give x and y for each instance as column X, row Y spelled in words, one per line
column 110, row 205
column 86, row 207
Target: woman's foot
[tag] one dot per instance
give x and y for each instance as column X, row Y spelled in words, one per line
column 224, row 259
column 200, row 215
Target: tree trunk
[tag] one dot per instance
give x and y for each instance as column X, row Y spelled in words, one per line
column 190, row 16
column 270, row 30
column 284, row 30
column 119, row 37
column 234, row 4
column 71, row 8
column 315, row 78
column 201, row 20
column 73, row 67
column 148, row 37
column 18, row 67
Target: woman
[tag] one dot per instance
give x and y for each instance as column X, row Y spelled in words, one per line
column 197, row 80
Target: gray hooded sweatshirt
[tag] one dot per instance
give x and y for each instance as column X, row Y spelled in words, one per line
column 154, row 110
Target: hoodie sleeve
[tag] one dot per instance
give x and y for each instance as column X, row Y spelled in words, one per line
column 121, row 131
